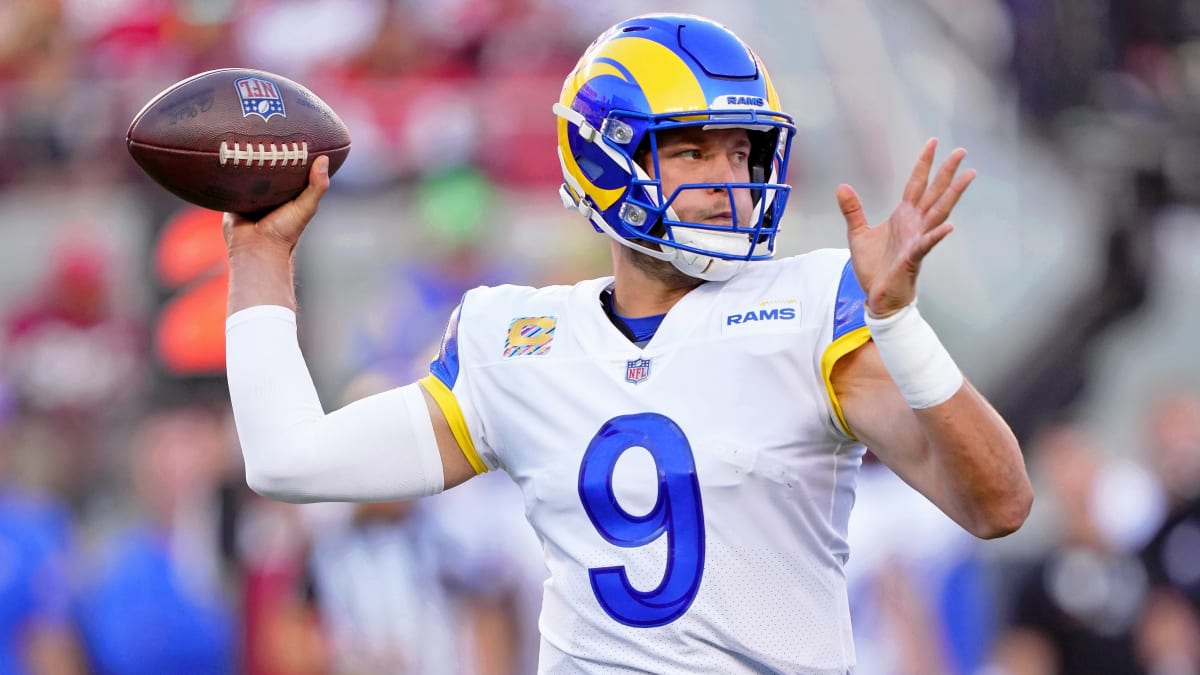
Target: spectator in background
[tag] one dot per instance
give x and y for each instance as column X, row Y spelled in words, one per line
column 28, row 28
column 1171, row 631
column 72, row 360
column 279, row 624
column 35, row 54
column 156, row 603
column 1173, row 555
column 500, row 546
column 401, row 587
column 918, row 592
column 67, row 353
column 1079, row 609
column 402, row 336
column 395, row 594
column 36, row 637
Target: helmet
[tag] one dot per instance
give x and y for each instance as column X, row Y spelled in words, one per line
column 657, row 72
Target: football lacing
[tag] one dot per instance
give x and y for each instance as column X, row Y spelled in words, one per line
column 282, row 154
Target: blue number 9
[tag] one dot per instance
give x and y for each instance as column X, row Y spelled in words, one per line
column 677, row 512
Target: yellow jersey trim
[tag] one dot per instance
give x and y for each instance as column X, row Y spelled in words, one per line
column 458, row 424
column 836, row 350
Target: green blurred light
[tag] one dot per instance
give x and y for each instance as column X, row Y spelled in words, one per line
column 455, row 203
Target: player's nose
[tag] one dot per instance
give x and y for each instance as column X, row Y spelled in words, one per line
column 721, row 170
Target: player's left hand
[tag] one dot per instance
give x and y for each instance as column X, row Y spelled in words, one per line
column 887, row 257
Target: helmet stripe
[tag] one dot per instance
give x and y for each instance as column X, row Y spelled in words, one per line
column 603, row 199
column 604, row 66
column 586, row 73
column 668, row 83
column 772, row 96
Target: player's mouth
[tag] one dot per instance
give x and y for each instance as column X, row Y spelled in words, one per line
column 720, row 218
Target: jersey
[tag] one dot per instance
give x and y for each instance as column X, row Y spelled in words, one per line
column 691, row 496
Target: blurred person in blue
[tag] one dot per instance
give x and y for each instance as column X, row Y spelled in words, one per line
column 154, row 600
column 924, row 608
column 36, row 553
column 686, row 433
column 405, row 325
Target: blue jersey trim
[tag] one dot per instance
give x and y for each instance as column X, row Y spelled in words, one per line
column 445, row 366
column 848, row 312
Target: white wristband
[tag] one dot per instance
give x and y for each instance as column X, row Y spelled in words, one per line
column 915, row 358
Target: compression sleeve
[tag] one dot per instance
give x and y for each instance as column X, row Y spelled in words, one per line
column 379, row 448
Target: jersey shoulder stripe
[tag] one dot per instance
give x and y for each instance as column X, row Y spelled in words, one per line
column 849, row 332
column 444, row 398
column 848, row 313
column 445, row 365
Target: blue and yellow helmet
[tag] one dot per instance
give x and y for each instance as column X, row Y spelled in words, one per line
column 664, row 71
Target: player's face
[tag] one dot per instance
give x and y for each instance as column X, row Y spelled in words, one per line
column 693, row 155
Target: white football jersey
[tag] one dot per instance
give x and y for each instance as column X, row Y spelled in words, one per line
column 692, row 495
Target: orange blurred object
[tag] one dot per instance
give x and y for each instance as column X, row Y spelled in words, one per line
column 189, row 331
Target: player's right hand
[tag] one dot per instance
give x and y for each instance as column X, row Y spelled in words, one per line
column 280, row 229
column 887, row 257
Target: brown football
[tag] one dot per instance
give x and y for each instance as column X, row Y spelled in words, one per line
column 236, row 139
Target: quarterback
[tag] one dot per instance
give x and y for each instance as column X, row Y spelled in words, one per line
column 686, row 432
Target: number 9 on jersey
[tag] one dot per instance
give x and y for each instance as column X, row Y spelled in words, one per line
column 677, row 512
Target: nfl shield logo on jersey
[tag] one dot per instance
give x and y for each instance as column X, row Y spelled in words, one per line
column 637, row 370
column 259, row 97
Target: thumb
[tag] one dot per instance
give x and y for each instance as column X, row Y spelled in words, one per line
column 288, row 221
column 318, row 183
column 852, row 209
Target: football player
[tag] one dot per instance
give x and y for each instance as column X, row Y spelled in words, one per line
column 686, row 432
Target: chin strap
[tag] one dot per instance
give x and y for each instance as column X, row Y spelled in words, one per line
column 707, row 267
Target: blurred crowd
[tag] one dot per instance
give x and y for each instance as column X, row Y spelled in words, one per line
column 74, row 72
column 129, row 542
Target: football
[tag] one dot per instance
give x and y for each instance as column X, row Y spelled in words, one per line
column 236, row 139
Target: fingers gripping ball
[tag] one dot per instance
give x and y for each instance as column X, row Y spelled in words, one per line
column 235, row 139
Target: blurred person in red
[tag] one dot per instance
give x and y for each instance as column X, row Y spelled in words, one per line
column 280, row 629
column 71, row 359
column 36, row 549
column 156, row 600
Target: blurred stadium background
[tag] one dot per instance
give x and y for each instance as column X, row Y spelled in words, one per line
column 1068, row 293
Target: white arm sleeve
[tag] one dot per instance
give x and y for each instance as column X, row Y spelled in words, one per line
column 379, row 448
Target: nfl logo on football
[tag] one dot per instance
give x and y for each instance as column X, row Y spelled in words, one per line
column 637, row 370
column 259, row 97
